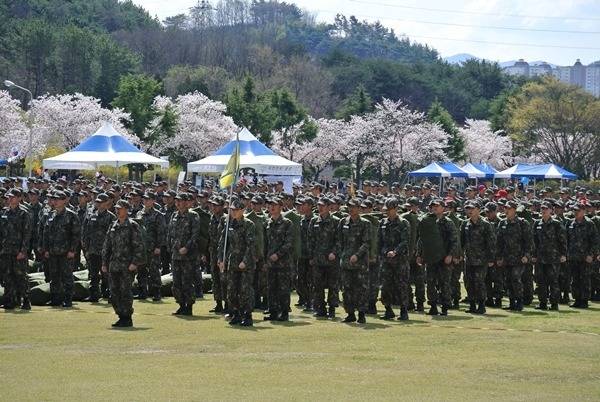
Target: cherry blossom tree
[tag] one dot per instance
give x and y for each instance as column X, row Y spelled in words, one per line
column 14, row 133
column 201, row 126
column 66, row 120
column 482, row 145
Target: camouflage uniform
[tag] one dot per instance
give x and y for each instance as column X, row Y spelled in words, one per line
column 417, row 272
column 479, row 244
column 457, row 268
column 564, row 274
column 280, row 235
column 123, row 245
column 152, row 227
column 295, row 218
column 240, row 248
column 437, row 238
column 494, row 280
column 219, row 287
column 514, row 242
column 62, row 235
column 582, row 241
column 165, row 253
column 183, row 232
column 326, row 274
column 304, row 286
column 354, row 239
column 374, row 264
column 260, row 273
column 94, row 232
column 550, row 244
column 15, row 238
column 202, row 254
column 394, row 235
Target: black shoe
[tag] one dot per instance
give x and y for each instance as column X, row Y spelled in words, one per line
column 300, row 303
column 55, row 302
column 361, row 318
column 542, row 306
column 465, row 300
column 320, row 313
column 26, row 305
column 411, row 306
column 554, row 307
column 273, row 316
column 331, row 312
column 350, row 318
column 389, row 314
column 156, row 298
column 142, row 296
column 444, row 310
column 420, row 307
column 126, row 322
column 8, row 306
column 584, row 304
column 455, row 304
column 285, row 316
column 188, row 310
column 489, row 302
column 518, row 305
column 118, row 322
column 247, row 321
column 472, row 308
column 565, row 299
column 433, row 310
column 67, row 304
column 481, row 309
column 511, row 305
column 372, row 308
column 237, row 319
column 308, row 308
column 403, row 314
column 498, row 303
column 179, row 310
column 527, row 302
column 93, row 299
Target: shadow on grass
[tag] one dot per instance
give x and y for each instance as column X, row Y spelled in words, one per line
column 371, row 326
column 530, row 313
column 253, row 328
column 196, row 317
column 130, row 329
column 593, row 308
column 291, row 323
column 451, row 318
column 495, row 315
column 570, row 311
column 100, row 304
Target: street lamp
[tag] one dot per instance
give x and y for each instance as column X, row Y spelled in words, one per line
column 9, row 84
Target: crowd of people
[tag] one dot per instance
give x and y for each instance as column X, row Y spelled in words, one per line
column 402, row 246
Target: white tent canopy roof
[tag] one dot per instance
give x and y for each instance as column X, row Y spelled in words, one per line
column 253, row 154
column 106, row 147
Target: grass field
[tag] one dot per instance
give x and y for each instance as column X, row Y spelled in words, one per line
column 55, row 354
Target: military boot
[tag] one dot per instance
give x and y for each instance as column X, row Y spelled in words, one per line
column 331, row 312
column 67, row 303
column 389, row 313
column 308, row 307
column 565, row 298
column 456, row 304
column 179, row 310
column 26, row 305
column 489, row 302
column 433, row 310
column 542, row 306
column 350, row 317
column 472, row 308
column 273, row 315
column 320, row 312
column 481, row 309
column 218, row 308
column 511, row 305
column 361, row 318
column 411, row 306
column 403, row 314
column 237, row 318
column 420, row 307
column 518, row 304
column 188, row 310
column 247, row 321
column 554, row 307
column 444, row 309
column 118, row 322
column 285, row 316
column 126, row 322
column 372, row 308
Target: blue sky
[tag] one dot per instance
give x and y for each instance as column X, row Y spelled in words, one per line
column 557, row 31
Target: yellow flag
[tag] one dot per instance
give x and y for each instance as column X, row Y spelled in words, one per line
column 229, row 175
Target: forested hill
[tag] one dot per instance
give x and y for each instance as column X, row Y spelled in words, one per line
column 87, row 46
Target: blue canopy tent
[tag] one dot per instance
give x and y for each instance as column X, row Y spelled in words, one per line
column 441, row 170
column 512, row 172
column 548, row 171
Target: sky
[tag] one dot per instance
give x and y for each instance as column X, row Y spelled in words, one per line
column 556, row 31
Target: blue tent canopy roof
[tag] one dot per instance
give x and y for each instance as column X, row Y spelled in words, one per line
column 103, row 143
column 442, row 169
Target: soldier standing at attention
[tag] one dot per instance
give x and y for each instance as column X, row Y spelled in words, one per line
column 495, row 276
column 394, row 240
column 323, row 259
column 202, row 243
column 417, row 272
column 280, row 251
column 257, row 217
column 214, row 233
column 478, row 241
column 182, row 238
column 94, row 232
column 239, row 263
column 550, row 250
column 168, row 210
column 153, row 229
column 513, row 245
column 122, row 253
column 60, row 243
column 437, row 246
column 582, row 245
column 353, row 247
column 15, row 232
column 305, row 275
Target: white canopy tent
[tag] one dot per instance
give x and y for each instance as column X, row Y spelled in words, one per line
column 253, row 154
column 106, row 147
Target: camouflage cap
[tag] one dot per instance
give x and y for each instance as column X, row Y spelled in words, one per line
column 122, row 204
column 511, row 204
column 102, row 198
column 236, row 204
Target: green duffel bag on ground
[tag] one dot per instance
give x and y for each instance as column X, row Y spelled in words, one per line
column 40, row 295
column 81, row 290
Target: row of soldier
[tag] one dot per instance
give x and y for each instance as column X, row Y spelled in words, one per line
column 317, row 243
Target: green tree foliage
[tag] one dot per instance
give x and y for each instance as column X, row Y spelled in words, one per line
column 358, row 103
column 135, row 95
column 456, row 144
